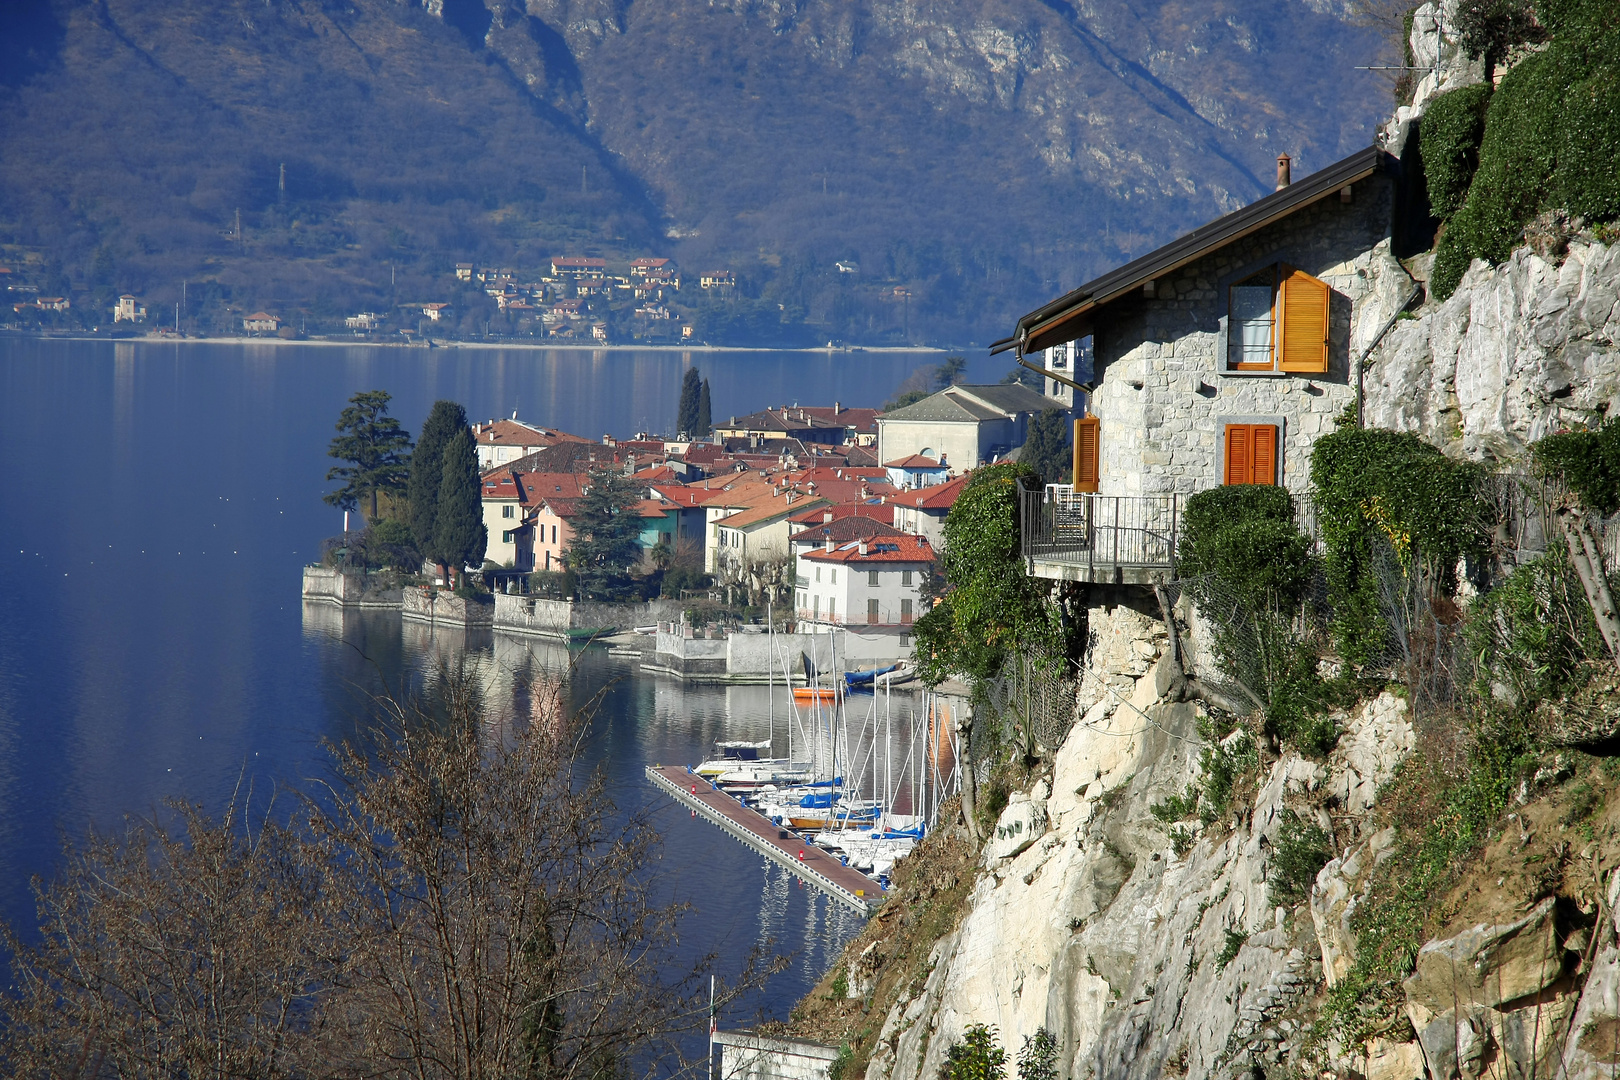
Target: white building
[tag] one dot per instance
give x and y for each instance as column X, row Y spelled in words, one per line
column 128, row 309
column 967, row 426
column 501, row 441
column 870, row 587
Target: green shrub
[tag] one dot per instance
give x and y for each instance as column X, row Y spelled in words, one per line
column 1534, row 632
column 1221, row 764
column 1300, row 849
column 1450, row 134
column 976, row 1057
column 1426, row 506
column 1587, row 461
column 1176, row 807
column 1229, row 950
column 1038, row 1059
column 1488, row 29
column 1588, row 178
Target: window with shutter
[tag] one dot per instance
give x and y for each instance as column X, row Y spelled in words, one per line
column 872, row 610
column 1087, row 454
column 1251, row 453
column 1303, row 305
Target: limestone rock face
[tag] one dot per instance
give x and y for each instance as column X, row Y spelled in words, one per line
column 1517, row 352
column 1339, row 887
column 1376, row 739
column 1488, row 964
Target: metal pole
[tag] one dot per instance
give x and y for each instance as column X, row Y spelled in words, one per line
column 714, row 1024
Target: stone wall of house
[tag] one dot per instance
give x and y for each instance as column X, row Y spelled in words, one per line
column 1163, row 399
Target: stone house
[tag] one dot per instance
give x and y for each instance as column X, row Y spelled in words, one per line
column 1220, row 357
column 260, row 322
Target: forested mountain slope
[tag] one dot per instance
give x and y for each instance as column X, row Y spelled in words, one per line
column 982, row 153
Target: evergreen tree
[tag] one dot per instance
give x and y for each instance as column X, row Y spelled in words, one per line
column 606, row 540
column 951, row 372
column 1046, row 448
column 459, row 536
column 427, row 469
column 705, row 417
column 375, row 445
column 686, row 413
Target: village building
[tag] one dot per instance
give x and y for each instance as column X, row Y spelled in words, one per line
column 365, row 320
column 967, row 426
column 1221, row 357
column 717, row 279
column 860, row 425
column 870, row 587
column 464, row 271
column 923, row 512
column 573, row 266
column 641, row 268
column 128, row 309
column 760, row 532
column 916, row 471
column 502, row 441
column 436, row 311
column 840, row 529
column 781, row 423
column 261, row 322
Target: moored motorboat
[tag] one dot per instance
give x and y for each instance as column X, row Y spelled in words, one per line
column 735, row 753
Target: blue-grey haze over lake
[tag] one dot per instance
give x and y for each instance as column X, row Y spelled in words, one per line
column 157, row 504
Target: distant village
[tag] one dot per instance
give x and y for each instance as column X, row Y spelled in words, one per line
column 573, row 298
column 834, row 513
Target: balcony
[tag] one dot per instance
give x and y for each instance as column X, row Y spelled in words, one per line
column 1071, row 535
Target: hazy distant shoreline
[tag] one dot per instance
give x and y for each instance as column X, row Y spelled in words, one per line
column 155, row 339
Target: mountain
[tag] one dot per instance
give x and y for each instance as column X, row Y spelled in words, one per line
column 978, row 154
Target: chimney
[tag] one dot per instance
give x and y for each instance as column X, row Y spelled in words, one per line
column 837, row 408
column 827, row 545
column 862, row 547
column 1284, row 175
column 826, row 515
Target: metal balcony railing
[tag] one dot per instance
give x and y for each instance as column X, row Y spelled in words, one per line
column 1111, row 537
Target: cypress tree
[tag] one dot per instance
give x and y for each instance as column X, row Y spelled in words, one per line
column 427, row 468
column 705, row 418
column 686, row 413
column 459, row 536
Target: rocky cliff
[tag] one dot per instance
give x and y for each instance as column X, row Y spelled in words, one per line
column 1152, row 943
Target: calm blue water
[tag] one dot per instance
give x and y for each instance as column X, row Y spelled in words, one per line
column 157, row 503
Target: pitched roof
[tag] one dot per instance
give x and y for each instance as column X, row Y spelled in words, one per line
column 838, row 530
column 938, row 497
column 783, row 420
column 1008, row 397
column 1067, row 317
column 900, row 549
column 945, row 406
column 517, row 433
column 568, row 457
column 871, row 509
column 859, row 419
column 772, row 509
column 915, row 461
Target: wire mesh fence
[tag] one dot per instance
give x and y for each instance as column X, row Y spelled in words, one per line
column 1031, row 705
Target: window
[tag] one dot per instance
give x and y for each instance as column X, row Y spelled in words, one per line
column 1251, row 454
column 1277, row 320
column 506, row 536
column 554, row 534
column 872, row 610
column 905, row 611
column 905, row 577
column 832, row 607
column 1087, row 454
column 801, row 601
column 506, row 511
column 905, row 640
column 818, row 573
column 871, row 578
column 835, row 575
column 815, row 607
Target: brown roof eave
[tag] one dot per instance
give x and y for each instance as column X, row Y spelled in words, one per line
column 1063, row 319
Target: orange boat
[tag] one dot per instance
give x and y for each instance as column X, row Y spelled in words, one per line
column 808, row 695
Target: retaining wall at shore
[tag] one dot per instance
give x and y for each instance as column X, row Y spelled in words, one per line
column 446, row 609
column 571, row 620
column 351, row 588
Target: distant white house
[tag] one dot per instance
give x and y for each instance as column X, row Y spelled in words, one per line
column 916, row 471
column 967, row 426
column 261, row 322
column 128, row 309
column 870, row 587
column 365, row 320
column 436, row 312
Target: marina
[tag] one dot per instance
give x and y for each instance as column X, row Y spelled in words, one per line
column 776, row 843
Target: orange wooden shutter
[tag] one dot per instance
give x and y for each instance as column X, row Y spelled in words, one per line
column 1251, row 453
column 1302, row 303
column 1263, row 455
column 1087, row 466
column 1237, row 453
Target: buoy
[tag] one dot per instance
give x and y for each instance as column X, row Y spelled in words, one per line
column 694, row 789
column 801, row 855
column 694, row 813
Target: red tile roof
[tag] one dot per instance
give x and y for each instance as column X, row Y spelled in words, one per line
column 876, row 511
column 915, row 461
column 900, row 549
column 839, row 530
column 938, row 497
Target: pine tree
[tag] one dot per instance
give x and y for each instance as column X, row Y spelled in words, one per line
column 705, row 417
column 607, row 533
column 1046, row 448
column 375, row 444
column 427, row 468
column 459, row 536
column 686, row 413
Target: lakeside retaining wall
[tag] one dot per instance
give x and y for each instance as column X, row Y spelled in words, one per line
column 351, row 588
column 569, row 620
column 446, row 609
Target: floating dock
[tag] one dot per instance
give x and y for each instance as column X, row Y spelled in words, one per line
column 821, row 869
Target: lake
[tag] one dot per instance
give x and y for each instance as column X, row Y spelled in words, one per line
column 157, row 503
